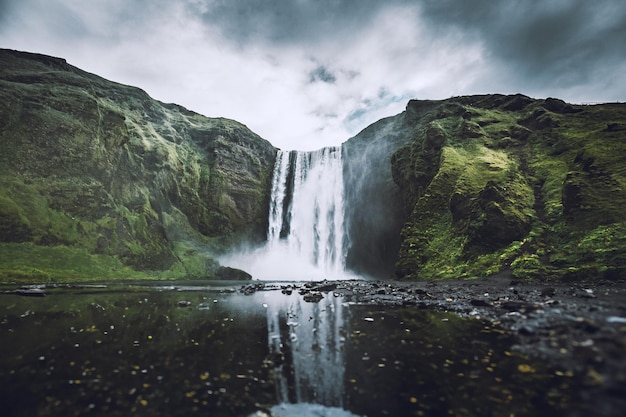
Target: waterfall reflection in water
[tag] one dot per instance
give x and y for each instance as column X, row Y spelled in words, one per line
column 203, row 350
column 310, row 334
column 306, row 341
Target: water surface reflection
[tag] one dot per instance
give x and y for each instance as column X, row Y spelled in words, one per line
column 209, row 350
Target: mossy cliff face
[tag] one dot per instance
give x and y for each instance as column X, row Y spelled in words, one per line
column 98, row 180
column 495, row 183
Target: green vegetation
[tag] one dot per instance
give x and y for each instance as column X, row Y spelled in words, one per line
column 125, row 185
column 102, row 175
column 29, row 263
column 533, row 186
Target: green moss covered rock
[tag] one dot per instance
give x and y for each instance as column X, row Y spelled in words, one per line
column 494, row 183
column 134, row 187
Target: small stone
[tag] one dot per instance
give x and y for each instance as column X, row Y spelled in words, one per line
column 515, row 305
column 616, row 319
column 525, row 331
column 312, row 297
column 31, row 292
column 183, row 303
column 477, row 302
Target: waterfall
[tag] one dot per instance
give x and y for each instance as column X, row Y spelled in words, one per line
column 306, row 210
column 306, row 237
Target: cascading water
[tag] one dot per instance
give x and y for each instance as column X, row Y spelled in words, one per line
column 306, row 210
column 306, row 237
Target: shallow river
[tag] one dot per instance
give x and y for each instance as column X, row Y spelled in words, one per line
column 208, row 350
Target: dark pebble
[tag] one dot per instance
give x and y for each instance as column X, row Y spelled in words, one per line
column 312, row 297
column 513, row 305
column 31, row 292
column 477, row 302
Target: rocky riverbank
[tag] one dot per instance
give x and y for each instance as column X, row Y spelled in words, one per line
column 578, row 327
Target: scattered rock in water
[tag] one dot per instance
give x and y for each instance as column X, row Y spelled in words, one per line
column 325, row 286
column 312, row 297
column 183, row 303
column 251, row 288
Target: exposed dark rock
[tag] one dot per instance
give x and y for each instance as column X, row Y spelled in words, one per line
column 548, row 292
column 324, row 286
column 559, row 106
column 479, row 302
column 615, row 127
column 540, row 119
column 252, row 288
column 91, row 165
column 227, row 273
column 470, row 130
column 312, row 296
column 514, row 305
column 518, row 102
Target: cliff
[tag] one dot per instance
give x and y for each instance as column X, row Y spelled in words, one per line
column 100, row 181
column 507, row 183
column 375, row 211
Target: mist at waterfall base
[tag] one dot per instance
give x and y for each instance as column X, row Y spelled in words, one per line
column 306, row 235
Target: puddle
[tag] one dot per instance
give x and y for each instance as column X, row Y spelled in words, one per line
column 209, row 350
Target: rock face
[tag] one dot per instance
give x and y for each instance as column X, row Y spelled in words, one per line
column 98, row 180
column 494, row 183
column 375, row 210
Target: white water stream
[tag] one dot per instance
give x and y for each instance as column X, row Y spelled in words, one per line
column 306, row 236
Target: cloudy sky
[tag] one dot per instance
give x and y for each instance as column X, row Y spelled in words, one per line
column 310, row 73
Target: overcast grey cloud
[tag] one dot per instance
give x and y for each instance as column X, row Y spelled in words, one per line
column 305, row 74
column 559, row 41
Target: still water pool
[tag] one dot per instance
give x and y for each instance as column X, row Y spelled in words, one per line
column 208, row 350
